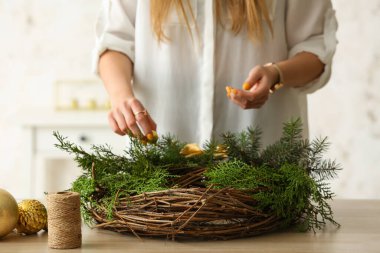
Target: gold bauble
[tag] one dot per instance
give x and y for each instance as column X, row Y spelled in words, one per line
column 33, row 217
column 190, row 150
column 8, row 213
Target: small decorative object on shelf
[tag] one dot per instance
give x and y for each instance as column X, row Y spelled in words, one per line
column 224, row 190
column 74, row 104
column 8, row 213
column 77, row 95
column 33, row 217
column 91, row 104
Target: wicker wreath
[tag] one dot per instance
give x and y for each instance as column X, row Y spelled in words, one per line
column 189, row 213
column 177, row 190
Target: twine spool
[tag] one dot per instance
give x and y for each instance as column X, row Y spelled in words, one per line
column 64, row 221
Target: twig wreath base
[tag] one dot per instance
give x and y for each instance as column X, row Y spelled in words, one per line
column 189, row 213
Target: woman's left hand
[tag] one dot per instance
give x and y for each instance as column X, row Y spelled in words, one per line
column 256, row 88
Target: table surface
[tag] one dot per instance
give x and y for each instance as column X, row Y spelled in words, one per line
column 360, row 232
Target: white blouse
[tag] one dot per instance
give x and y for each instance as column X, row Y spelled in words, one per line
column 182, row 82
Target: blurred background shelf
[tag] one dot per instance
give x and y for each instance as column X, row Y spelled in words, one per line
column 49, row 169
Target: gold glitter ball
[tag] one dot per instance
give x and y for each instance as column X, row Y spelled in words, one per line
column 8, row 213
column 32, row 217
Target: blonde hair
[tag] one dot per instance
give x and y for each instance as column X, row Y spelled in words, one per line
column 251, row 13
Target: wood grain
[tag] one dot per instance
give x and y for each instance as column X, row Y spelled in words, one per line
column 360, row 232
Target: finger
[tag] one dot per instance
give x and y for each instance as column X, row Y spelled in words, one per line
column 238, row 100
column 260, row 102
column 248, row 87
column 152, row 137
column 263, row 88
column 255, row 94
column 144, row 123
column 131, row 121
column 254, row 105
column 248, row 104
column 120, row 120
column 245, row 103
column 141, row 116
column 247, row 99
column 113, row 124
column 262, row 97
column 242, row 95
column 153, row 124
column 254, row 76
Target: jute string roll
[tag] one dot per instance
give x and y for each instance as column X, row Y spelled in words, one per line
column 64, row 221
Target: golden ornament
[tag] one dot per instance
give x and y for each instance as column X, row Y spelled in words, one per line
column 221, row 152
column 8, row 213
column 33, row 217
column 192, row 149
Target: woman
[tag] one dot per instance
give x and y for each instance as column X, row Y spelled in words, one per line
column 181, row 54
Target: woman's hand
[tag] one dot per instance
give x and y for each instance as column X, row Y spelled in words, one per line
column 256, row 88
column 130, row 116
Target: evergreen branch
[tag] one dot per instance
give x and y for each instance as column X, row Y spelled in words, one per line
column 292, row 131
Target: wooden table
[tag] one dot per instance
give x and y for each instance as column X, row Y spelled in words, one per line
column 360, row 232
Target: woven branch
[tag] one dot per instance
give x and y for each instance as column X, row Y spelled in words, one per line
column 189, row 213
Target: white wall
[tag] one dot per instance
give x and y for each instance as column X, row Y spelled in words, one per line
column 45, row 40
column 348, row 108
column 40, row 41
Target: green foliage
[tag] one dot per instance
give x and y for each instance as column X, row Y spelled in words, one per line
column 284, row 191
column 244, row 146
column 291, row 148
column 106, row 174
column 288, row 178
column 86, row 187
column 292, row 174
column 234, row 174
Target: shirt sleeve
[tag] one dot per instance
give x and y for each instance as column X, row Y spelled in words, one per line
column 311, row 27
column 115, row 29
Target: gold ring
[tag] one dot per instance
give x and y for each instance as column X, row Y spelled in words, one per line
column 144, row 112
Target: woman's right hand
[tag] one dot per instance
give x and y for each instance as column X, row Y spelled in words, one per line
column 129, row 116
